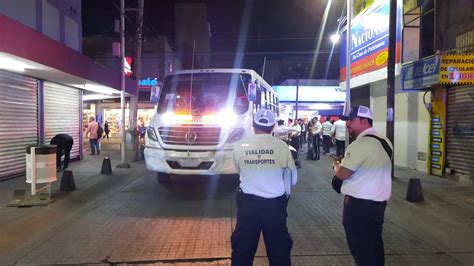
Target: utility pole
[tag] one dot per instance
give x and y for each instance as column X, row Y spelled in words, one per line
column 137, row 72
column 392, row 36
column 297, row 89
column 123, row 163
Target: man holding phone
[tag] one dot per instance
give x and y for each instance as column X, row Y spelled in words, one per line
column 366, row 172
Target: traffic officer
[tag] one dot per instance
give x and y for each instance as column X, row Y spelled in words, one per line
column 262, row 162
column 64, row 144
column 366, row 171
column 281, row 131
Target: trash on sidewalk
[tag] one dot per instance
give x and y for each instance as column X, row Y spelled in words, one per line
column 23, row 199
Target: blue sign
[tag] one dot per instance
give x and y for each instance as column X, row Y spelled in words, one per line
column 420, row 74
column 148, row 82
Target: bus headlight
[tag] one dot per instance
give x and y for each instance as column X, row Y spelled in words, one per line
column 236, row 135
column 150, row 132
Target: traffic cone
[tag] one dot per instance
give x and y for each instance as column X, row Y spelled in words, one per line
column 414, row 191
column 106, row 167
column 67, row 181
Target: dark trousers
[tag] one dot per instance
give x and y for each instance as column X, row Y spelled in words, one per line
column 326, row 143
column 302, row 138
column 295, row 143
column 340, row 147
column 59, row 154
column 255, row 215
column 94, row 146
column 316, row 148
column 363, row 221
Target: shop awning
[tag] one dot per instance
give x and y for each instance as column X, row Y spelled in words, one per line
column 31, row 53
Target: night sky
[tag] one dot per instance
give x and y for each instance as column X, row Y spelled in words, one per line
column 277, row 26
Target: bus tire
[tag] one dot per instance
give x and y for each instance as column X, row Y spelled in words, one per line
column 163, row 177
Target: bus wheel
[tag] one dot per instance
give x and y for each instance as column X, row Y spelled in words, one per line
column 163, row 177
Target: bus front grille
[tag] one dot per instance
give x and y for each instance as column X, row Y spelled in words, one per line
column 194, row 135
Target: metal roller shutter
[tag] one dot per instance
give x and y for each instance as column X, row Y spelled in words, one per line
column 460, row 129
column 18, row 121
column 62, row 114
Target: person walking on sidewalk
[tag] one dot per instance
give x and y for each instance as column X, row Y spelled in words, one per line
column 367, row 185
column 93, row 131
column 327, row 133
column 106, row 130
column 339, row 132
column 261, row 198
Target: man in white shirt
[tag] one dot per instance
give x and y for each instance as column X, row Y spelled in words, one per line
column 327, row 133
column 281, row 131
column 339, row 133
column 366, row 171
column 316, row 133
column 267, row 172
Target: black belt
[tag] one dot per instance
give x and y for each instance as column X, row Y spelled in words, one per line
column 348, row 198
column 241, row 192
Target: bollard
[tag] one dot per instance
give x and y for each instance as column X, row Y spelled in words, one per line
column 106, row 167
column 67, row 181
column 414, row 190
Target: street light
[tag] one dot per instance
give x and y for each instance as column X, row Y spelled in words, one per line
column 335, row 38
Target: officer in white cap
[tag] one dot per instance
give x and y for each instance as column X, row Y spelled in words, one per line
column 264, row 163
column 366, row 170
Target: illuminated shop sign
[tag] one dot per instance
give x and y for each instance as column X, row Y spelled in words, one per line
column 148, row 82
column 369, row 40
column 420, row 74
column 457, row 69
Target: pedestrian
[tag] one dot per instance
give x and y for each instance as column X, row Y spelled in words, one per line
column 316, row 133
column 295, row 132
column 63, row 144
column 339, row 134
column 262, row 161
column 367, row 185
column 281, row 131
column 303, row 132
column 93, row 131
column 106, row 129
column 327, row 133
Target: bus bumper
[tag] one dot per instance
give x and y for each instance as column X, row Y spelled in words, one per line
column 192, row 163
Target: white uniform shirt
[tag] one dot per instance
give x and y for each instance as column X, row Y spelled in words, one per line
column 372, row 168
column 295, row 130
column 281, row 132
column 261, row 160
column 327, row 128
column 339, row 129
column 316, row 128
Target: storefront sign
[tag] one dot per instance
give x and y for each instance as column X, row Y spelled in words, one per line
column 420, row 74
column 369, row 40
column 457, row 69
column 148, row 82
column 437, row 133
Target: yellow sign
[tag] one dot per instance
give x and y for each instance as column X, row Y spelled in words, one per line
column 361, row 5
column 409, row 5
column 456, row 69
column 437, row 133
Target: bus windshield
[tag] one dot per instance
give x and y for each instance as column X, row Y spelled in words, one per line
column 210, row 93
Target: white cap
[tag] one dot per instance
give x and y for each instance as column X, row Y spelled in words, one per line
column 264, row 117
column 359, row 111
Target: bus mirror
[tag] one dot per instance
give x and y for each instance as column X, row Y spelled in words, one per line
column 252, row 91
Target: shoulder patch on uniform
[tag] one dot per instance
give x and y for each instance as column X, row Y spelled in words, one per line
column 348, row 154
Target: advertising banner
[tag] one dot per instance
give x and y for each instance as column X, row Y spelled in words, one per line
column 420, row 74
column 457, row 69
column 369, row 40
